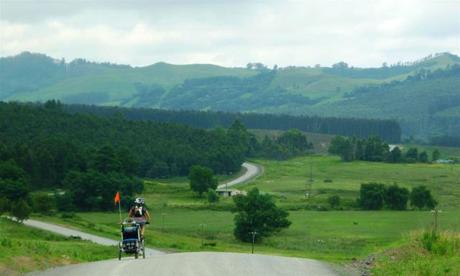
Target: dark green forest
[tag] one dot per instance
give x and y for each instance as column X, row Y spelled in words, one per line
column 447, row 141
column 50, row 138
column 388, row 130
column 43, row 147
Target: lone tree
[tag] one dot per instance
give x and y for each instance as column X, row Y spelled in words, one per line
column 421, row 197
column 202, row 179
column 258, row 212
column 396, row 197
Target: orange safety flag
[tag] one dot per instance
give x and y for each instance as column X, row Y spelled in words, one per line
column 117, row 198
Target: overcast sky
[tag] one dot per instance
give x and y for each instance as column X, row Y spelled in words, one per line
column 231, row 33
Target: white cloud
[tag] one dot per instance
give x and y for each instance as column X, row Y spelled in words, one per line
column 362, row 33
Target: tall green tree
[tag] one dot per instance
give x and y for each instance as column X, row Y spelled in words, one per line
column 371, row 196
column 294, row 141
column 435, row 155
column 395, row 155
column 202, row 179
column 420, row 197
column 14, row 190
column 258, row 212
column 396, row 197
column 412, row 155
column 423, row 157
column 105, row 160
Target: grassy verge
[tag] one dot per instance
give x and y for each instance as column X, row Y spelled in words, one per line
column 24, row 249
column 422, row 255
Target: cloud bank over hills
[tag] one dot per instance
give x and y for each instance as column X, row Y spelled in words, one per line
column 231, row 33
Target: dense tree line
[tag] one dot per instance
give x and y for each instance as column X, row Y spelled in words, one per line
column 375, row 196
column 289, row 144
column 91, row 158
column 389, row 130
column 446, row 141
column 375, row 149
column 48, row 142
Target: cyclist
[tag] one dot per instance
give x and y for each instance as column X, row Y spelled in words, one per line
column 140, row 214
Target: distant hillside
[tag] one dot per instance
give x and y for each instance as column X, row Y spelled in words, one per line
column 424, row 107
column 426, row 104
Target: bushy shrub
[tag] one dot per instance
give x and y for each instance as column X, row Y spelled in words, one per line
column 334, row 201
column 4, row 205
column 20, row 210
column 42, row 203
column 421, row 197
column 372, row 196
column 396, row 197
column 64, row 202
column 212, row 196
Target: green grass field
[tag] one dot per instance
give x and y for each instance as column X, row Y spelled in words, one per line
column 181, row 221
column 24, row 249
column 290, row 180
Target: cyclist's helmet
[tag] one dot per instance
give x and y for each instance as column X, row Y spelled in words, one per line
column 139, row 201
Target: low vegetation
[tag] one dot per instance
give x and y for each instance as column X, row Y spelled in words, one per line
column 24, row 249
column 423, row 253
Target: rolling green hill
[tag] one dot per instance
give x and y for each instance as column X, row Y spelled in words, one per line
column 425, row 107
column 427, row 104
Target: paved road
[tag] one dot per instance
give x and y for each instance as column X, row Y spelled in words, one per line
column 85, row 236
column 186, row 264
column 198, row 264
column 252, row 170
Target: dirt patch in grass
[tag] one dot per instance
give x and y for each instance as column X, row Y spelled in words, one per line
column 24, row 263
column 8, row 272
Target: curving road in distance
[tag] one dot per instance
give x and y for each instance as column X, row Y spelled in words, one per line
column 252, row 171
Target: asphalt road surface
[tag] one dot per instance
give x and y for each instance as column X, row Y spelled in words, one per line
column 185, row 264
column 198, row 264
column 85, row 236
column 252, row 170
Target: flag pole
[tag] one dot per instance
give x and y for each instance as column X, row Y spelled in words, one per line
column 119, row 209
